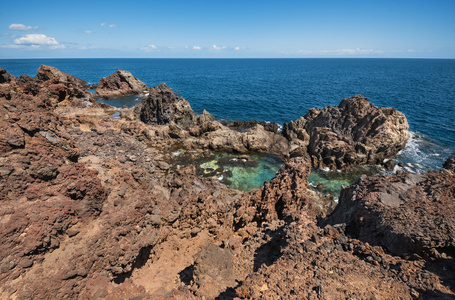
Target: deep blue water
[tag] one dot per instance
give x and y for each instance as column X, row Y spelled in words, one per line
column 280, row 90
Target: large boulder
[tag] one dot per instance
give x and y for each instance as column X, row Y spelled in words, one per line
column 354, row 133
column 406, row 213
column 163, row 106
column 46, row 73
column 119, row 84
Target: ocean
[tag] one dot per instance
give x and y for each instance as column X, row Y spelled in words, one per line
column 280, row 90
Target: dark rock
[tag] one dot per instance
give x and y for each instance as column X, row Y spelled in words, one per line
column 450, row 164
column 389, row 165
column 6, row 77
column 164, row 106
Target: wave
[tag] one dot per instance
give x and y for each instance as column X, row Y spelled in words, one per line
column 421, row 154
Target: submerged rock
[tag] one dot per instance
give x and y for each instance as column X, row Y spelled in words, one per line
column 351, row 134
column 118, row 84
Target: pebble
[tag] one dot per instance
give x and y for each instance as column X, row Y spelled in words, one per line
column 26, row 263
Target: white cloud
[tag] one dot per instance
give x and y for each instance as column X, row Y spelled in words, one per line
column 150, row 48
column 88, row 31
column 21, row 27
column 353, row 51
column 215, row 47
column 36, row 39
column 197, row 48
column 237, row 48
column 108, row 25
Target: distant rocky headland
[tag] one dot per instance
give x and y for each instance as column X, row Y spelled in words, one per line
column 95, row 206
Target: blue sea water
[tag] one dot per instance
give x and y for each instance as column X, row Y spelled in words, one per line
column 280, row 90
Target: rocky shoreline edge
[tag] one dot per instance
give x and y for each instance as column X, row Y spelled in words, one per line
column 92, row 207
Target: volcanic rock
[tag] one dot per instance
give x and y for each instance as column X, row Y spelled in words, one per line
column 213, row 271
column 450, row 164
column 46, row 73
column 279, row 198
column 118, row 84
column 94, row 207
column 6, row 77
column 163, row 106
column 353, row 133
column 407, row 213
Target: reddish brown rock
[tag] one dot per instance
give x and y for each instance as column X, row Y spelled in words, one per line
column 354, row 133
column 119, row 84
column 406, row 213
column 46, row 73
column 95, row 207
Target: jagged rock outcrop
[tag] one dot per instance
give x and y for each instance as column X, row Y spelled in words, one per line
column 406, row 213
column 163, row 106
column 118, row 84
column 46, row 73
column 282, row 196
column 353, row 133
column 6, row 77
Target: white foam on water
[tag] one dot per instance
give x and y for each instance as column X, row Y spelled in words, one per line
column 422, row 154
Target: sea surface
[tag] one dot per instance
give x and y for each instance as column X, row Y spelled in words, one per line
column 280, row 90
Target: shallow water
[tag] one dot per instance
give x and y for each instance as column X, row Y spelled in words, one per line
column 128, row 101
column 241, row 172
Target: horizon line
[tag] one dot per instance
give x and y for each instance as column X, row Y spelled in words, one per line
column 229, row 58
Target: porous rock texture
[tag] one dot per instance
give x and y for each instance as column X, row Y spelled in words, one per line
column 95, row 207
column 351, row 134
column 118, row 84
column 163, row 106
column 406, row 213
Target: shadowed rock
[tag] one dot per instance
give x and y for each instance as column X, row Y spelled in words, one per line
column 6, row 77
column 163, row 106
column 406, row 213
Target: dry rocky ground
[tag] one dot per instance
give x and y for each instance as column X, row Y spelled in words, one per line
column 92, row 206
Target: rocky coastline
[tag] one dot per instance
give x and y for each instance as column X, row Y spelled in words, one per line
column 92, row 205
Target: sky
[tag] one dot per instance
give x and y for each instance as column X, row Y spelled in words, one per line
column 227, row 29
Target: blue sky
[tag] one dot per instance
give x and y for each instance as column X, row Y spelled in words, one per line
column 194, row 28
